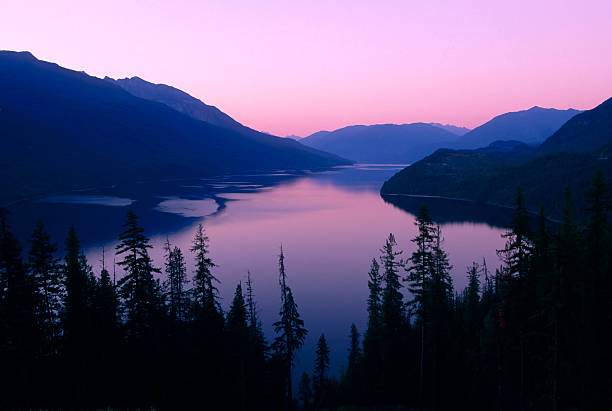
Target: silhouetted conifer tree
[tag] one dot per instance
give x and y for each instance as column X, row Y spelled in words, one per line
column 205, row 292
column 176, row 280
column 46, row 274
column 137, row 287
column 19, row 334
column 290, row 328
column 321, row 367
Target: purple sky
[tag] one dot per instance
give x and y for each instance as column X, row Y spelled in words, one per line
column 293, row 67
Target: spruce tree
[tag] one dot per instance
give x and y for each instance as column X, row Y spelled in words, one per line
column 46, row 274
column 321, row 367
column 374, row 298
column 176, row 280
column 354, row 350
column 237, row 331
column 137, row 288
column 419, row 274
column 76, row 300
column 19, row 335
column 392, row 299
column 205, row 292
column 77, row 319
column 290, row 328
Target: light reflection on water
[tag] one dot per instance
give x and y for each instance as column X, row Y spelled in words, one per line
column 330, row 225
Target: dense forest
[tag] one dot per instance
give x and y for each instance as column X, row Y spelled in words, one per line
column 534, row 333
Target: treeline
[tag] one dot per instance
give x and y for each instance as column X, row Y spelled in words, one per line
column 534, row 333
column 72, row 339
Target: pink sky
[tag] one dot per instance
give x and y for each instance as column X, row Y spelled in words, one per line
column 296, row 67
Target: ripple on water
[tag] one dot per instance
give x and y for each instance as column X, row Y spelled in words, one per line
column 109, row 201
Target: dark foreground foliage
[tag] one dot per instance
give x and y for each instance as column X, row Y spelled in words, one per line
column 532, row 334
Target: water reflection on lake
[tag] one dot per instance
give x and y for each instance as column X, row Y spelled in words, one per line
column 330, row 225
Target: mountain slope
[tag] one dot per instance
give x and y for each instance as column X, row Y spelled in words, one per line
column 382, row 143
column 528, row 126
column 178, row 100
column 570, row 157
column 587, row 131
column 82, row 130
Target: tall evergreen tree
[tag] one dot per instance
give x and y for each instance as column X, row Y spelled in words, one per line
column 176, row 280
column 137, row 287
column 374, row 298
column 46, row 274
column 290, row 328
column 354, row 350
column 321, row 368
column 204, row 290
column 19, row 336
column 419, row 274
column 392, row 299
column 76, row 307
column 238, row 337
column 77, row 317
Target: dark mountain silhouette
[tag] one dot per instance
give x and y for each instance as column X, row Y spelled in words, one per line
column 587, row 131
column 63, row 130
column 531, row 126
column 382, row 143
column 180, row 101
column 570, row 157
column 451, row 128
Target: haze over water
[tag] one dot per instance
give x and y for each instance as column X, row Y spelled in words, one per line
column 330, row 224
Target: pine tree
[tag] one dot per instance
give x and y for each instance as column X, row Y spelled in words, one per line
column 517, row 250
column 138, row 289
column 238, row 337
column 354, row 350
column 256, row 335
column 321, row 368
column 205, row 292
column 46, row 274
column 374, row 298
column 513, row 284
column 176, row 280
column 392, row 299
column 419, row 275
column 77, row 319
column 472, row 292
column 76, row 299
column 19, row 337
column 290, row 328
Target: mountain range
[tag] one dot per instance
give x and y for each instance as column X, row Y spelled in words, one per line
column 568, row 158
column 531, row 126
column 407, row 143
column 63, row 130
column 382, row 143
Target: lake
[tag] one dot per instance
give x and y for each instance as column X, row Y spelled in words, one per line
column 330, row 224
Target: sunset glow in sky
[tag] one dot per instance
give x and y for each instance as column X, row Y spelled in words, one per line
column 296, row 67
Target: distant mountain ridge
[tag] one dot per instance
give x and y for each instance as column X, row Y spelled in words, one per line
column 531, row 126
column 62, row 129
column 382, row 143
column 178, row 100
column 460, row 131
column 568, row 158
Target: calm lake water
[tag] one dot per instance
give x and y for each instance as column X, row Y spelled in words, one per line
column 330, row 224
